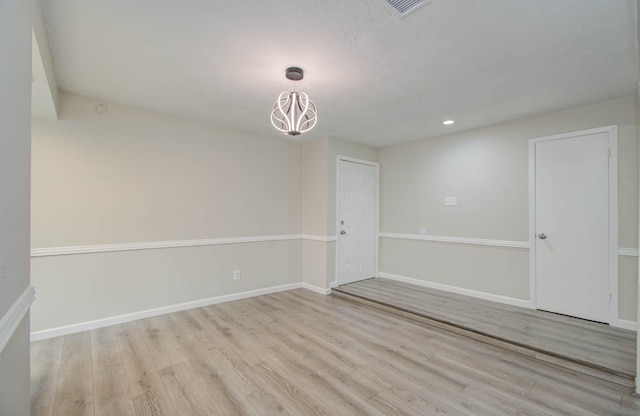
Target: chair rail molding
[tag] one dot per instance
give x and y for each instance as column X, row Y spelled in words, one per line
column 458, row 240
column 150, row 245
column 14, row 315
column 324, row 238
column 622, row 251
column 629, row 252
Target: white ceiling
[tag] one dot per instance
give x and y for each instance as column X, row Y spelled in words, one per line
column 375, row 78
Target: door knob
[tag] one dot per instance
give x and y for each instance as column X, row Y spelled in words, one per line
column 343, row 232
column 542, row 236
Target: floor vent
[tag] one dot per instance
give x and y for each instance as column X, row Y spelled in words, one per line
column 405, row 7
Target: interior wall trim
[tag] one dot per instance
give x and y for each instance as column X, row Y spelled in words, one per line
column 630, row 252
column 325, row 238
column 316, row 289
column 622, row 251
column 14, row 315
column 454, row 289
column 105, row 248
column 115, row 320
column 459, row 240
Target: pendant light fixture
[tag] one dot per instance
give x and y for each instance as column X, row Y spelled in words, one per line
column 293, row 113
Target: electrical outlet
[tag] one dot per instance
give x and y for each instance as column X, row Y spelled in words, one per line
column 236, row 275
column 450, row 201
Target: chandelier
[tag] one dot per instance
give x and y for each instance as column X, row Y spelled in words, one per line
column 293, row 113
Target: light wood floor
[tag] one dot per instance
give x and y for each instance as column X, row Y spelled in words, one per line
column 562, row 336
column 299, row 353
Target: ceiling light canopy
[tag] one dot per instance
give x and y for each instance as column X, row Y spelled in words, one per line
column 293, row 113
column 448, row 122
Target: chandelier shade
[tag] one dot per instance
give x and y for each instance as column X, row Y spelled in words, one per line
column 294, row 113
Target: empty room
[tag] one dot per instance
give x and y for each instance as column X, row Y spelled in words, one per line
column 297, row 207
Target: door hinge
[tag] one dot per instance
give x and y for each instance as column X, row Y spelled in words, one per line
column 610, row 296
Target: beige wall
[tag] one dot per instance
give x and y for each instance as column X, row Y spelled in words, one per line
column 314, row 212
column 315, row 263
column 487, row 170
column 314, row 187
column 137, row 176
column 319, row 169
column 15, row 113
column 132, row 176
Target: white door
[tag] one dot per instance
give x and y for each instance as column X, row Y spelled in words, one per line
column 357, row 221
column 572, row 230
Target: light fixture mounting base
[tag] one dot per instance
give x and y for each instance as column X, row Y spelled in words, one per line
column 294, row 73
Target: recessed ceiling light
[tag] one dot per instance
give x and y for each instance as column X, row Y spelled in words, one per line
column 447, row 122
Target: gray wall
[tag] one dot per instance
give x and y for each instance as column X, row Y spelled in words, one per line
column 15, row 113
column 487, row 170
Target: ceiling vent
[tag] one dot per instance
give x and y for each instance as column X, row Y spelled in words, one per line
column 405, row 7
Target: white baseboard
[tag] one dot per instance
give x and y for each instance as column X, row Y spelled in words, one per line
column 624, row 324
column 10, row 321
column 101, row 323
column 316, row 289
column 454, row 289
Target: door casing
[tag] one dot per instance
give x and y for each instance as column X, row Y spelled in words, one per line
column 612, row 132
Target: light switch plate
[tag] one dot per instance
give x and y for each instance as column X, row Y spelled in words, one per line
column 450, row 201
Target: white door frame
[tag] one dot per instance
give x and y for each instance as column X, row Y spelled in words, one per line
column 376, row 232
column 612, row 132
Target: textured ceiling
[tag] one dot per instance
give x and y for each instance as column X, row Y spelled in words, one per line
column 375, row 78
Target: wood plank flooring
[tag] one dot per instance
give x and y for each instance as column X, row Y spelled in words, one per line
column 597, row 344
column 300, row 353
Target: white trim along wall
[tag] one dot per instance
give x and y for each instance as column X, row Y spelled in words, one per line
column 459, row 240
column 622, row 251
column 629, row 252
column 453, row 289
column 115, row 320
column 323, row 238
column 14, row 316
column 104, row 248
